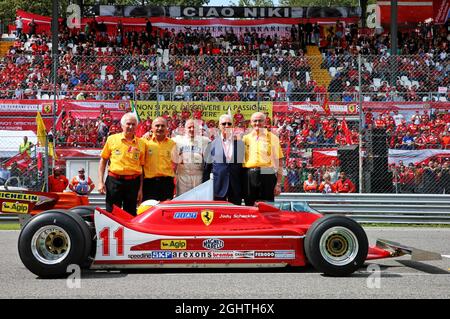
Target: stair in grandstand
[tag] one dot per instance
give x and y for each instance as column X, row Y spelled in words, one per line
column 4, row 47
column 315, row 59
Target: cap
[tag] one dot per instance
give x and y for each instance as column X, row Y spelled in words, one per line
column 81, row 170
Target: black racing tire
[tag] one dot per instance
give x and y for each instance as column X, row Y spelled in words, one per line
column 87, row 214
column 336, row 245
column 53, row 240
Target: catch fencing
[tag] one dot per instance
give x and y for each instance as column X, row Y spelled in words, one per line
column 333, row 112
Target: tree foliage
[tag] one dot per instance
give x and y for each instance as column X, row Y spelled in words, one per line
column 254, row 3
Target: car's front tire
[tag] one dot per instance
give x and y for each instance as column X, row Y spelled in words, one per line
column 336, row 245
column 53, row 240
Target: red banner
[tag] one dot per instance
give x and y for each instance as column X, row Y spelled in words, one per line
column 337, row 108
column 92, row 109
column 217, row 26
column 342, row 108
column 441, row 10
column 26, row 107
column 324, row 156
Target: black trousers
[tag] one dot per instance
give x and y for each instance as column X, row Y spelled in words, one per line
column 232, row 196
column 122, row 193
column 158, row 188
column 260, row 186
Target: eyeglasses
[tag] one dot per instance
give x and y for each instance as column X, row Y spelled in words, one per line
column 226, row 124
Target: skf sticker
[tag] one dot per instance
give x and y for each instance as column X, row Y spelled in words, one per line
column 169, row 244
column 207, row 216
column 18, row 208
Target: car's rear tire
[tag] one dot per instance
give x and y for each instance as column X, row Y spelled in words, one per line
column 53, row 240
column 336, row 245
column 87, row 214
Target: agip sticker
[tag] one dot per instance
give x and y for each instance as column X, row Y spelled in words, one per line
column 15, row 207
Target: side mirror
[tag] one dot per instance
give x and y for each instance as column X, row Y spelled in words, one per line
column 266, row 208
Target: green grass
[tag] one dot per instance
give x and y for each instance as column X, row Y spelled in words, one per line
column 11, row 226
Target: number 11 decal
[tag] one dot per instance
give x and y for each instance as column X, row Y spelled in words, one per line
column 118, row 235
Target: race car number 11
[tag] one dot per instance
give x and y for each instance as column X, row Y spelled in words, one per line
column 118, row 236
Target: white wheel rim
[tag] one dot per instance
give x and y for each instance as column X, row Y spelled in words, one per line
column 338, row 246
column 50, row 245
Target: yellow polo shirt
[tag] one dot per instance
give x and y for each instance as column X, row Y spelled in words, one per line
column 126, row 157
column 158, row 162
column 263, row 150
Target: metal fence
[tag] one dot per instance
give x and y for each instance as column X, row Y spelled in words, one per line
column 22, row 166
column 373, row 138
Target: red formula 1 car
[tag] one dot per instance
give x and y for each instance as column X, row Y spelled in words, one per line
column 195, row 234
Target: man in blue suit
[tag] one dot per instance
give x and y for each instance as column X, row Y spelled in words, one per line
column 224, row 158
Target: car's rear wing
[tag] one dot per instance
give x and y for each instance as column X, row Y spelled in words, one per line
column 397, row 249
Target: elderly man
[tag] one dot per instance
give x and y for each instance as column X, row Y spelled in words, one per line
column 126, row 153
column 224, row 158
column 263, row 160
column 159, row 169
column 189, row 157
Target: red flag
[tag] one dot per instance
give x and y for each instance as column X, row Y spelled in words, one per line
column 346, row 131
column 326, row 106
column 22, row 160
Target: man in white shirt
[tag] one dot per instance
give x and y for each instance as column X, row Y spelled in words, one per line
column 189, row 157
column 19, row 26
column 398, row 118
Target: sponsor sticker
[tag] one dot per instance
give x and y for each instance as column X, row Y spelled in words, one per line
column 213, row 244
column 275, row 254
column 287, row 254
column 171, row 244
column 192, row 255
column 244, row 254
column 19, row 196
column 207, row 217
column 18, row 208
column 162, row 254
column 264, row 254
column 222, row 254
column 185, row 215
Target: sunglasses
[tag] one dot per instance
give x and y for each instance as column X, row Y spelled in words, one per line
column 226, row 124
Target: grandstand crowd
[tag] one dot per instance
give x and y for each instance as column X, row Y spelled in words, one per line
column 104, row 63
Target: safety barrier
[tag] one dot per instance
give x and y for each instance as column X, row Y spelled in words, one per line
column 364, row 208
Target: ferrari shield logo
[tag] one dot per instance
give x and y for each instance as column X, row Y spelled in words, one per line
column 207, row 216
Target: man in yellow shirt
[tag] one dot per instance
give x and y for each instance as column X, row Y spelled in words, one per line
column 126, row 155
column 263, row 160
column 159, row 167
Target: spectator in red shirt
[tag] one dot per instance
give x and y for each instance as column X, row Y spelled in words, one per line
column 238, row 118
column 57, row 182
column 369, row 119
column 379, row 122
column 445, row 141
column 344, row 185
